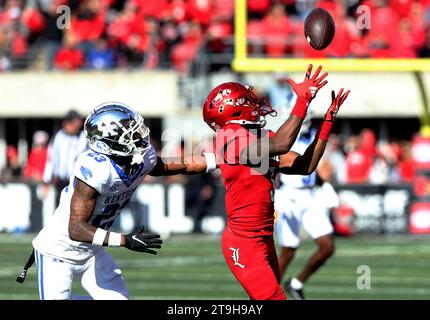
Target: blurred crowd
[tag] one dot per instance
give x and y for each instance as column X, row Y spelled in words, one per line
column 370, row 28
column 363, row 159
column 104, row 34
column 354, row 159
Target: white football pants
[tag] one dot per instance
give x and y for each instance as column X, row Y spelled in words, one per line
column 300, row 208
column 99, row 276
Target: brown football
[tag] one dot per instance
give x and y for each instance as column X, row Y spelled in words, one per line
column 319, row 28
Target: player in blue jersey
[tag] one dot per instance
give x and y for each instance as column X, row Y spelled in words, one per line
column 72, row 244
column 301, row 201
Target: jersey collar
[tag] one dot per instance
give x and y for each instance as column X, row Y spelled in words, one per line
column 127, row 180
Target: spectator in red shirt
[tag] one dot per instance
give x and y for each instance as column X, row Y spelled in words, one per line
column 33, row 20
column 200, row 11
column 216, row 34
column 346, row 35
column 37, row 158
column 88, row 24
column 382, row 38
column 368, row 142
column 131, row 33
column 14, row 34
column 224, row 10
column 257, row 8
column 277, row 28
column 402, row 7
column 177, row 11
column 412, row 33
column 154, row 9
column 185, row 52
column 358, row 163
column 123, row 25
column 69, row 57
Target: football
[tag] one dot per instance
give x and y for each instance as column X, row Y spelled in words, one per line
column 319, row 28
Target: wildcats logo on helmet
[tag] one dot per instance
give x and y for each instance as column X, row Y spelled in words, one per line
column 107, row 129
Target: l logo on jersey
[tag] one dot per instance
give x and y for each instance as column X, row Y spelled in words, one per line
column 235, row 257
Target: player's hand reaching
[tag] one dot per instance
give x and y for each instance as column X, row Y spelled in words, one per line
column 330, row 116
column 138, row 241
column 336, row 102
column 310, row 85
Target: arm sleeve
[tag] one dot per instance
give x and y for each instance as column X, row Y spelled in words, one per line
column 93, row 169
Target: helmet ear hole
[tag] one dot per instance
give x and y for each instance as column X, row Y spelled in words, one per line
column 236, row 114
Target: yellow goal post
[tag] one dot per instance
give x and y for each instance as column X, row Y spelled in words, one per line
column 243, row 63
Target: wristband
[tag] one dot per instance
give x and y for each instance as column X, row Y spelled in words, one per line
column 324, row 131
column 99, row 237
column 210, row 161
column 114, row 239
column 301, row 107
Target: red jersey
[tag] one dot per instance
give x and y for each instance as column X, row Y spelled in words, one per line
column 249, row 191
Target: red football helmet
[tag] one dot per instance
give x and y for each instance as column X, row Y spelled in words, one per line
column 233, row 102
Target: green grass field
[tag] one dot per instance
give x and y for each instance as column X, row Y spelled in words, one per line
column 192, row 267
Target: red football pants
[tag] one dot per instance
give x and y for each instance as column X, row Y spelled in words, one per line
column 254, row 263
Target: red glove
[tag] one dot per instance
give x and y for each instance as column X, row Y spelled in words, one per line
column 330, row 116
column 307, row 90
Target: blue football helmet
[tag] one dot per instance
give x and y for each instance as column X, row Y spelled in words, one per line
column 115, row 129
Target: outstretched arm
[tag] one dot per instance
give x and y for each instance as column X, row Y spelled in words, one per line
column 294, row 163
column 286, row 135
column 186, row 165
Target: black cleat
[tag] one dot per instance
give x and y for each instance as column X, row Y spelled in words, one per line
column 294, row 293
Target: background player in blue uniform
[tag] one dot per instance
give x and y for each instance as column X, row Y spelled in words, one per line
column 303, row 202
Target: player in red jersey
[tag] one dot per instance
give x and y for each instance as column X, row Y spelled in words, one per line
column 246, row 156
